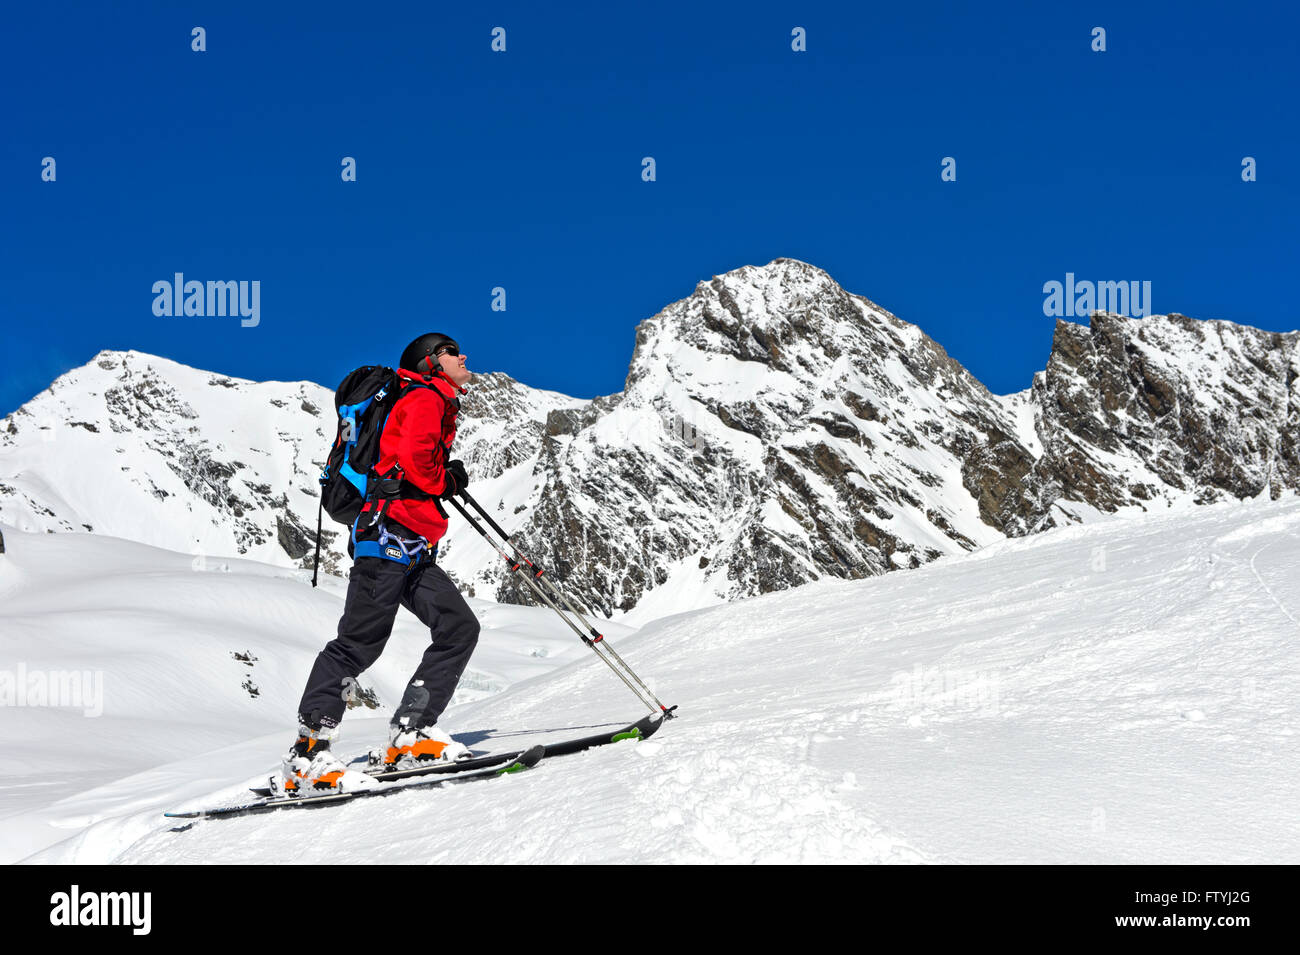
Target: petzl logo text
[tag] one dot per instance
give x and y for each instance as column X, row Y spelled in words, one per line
column 102, row 908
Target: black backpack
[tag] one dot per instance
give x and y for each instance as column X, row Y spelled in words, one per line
column 364, row 400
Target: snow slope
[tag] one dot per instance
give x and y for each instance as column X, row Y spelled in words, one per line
column 1120, row 691
column 138, row 643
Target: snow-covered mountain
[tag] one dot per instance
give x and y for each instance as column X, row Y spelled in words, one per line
column 1116, row 692
column 774, row 430
column 1166, row 409
column 136, row 446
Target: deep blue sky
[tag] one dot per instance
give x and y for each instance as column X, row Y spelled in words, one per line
column 523, row 170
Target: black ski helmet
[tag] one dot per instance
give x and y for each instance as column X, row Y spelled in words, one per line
column 421, row 355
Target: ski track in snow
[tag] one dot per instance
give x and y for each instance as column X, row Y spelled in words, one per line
column 1115, row 692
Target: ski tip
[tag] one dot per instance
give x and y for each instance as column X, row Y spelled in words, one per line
column 643, row 728
column 527, row 760
column 648, row 725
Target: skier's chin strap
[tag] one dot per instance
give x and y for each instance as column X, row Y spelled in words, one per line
column 435, row 371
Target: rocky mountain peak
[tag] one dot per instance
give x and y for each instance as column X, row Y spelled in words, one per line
column 1135, row 410
column 783, row 315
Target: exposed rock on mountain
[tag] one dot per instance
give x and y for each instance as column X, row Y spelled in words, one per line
column 1167, row 408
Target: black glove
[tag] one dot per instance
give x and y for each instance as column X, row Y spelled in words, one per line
column 456, row 479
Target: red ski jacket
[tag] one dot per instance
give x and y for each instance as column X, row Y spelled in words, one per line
column 417, row 439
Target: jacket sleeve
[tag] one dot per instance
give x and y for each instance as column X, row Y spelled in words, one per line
column 420, row 450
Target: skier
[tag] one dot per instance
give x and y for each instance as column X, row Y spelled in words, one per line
column 393, row 544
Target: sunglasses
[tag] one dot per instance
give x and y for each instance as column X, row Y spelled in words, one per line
column 431, row 361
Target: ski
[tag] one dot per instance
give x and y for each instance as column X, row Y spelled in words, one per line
column 525, row 760
column 641, row 729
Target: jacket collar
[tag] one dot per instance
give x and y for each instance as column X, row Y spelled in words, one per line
column 442, row 385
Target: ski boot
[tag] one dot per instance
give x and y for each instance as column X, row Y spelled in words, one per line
column 309, row 767
column 414, row 746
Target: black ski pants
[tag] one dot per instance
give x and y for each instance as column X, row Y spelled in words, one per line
column 376, row 589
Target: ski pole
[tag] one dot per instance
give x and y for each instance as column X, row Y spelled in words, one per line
column 539, row 574
column 516, row 565
column 629, row 678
